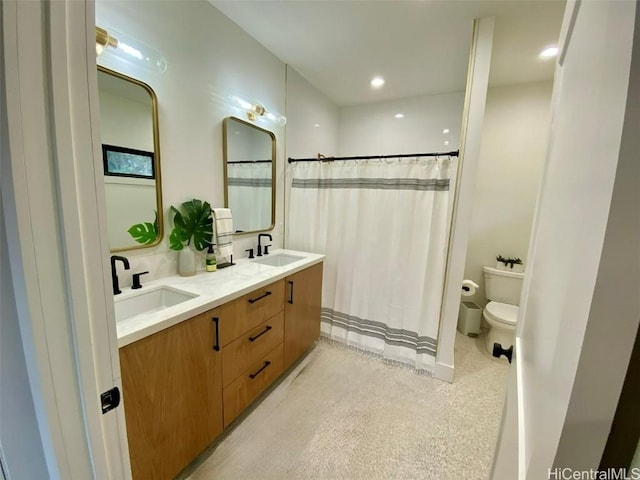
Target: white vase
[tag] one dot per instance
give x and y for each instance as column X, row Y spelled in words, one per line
column 186, row 262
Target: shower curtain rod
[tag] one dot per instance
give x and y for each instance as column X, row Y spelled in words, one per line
column 322, row 158
column 250, row 161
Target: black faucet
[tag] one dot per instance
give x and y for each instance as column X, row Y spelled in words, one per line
column 266, row 247
column 114, row 277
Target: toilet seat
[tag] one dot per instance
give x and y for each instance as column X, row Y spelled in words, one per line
column 502, row 313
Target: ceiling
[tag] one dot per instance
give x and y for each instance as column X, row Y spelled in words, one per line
column 420, row 47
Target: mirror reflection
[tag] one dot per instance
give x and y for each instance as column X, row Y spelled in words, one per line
column 249, row 166
column 131, row 160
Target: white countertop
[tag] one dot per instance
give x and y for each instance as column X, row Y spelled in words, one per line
column 213, row 289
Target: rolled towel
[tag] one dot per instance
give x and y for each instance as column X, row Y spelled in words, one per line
column 224, row 232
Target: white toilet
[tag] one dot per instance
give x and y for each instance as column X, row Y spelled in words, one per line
column 502, row 289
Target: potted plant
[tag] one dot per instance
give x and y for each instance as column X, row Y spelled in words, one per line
column 192, row 227
column 508, row 263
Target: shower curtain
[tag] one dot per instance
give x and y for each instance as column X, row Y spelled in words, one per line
column 383, row 226
column 249, row 190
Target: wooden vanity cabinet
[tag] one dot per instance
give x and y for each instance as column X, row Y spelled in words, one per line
column 302, row 312
column 252, row 345
column 172, row 395
column 183, row 385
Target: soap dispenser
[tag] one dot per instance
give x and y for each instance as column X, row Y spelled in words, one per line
column 210, row 260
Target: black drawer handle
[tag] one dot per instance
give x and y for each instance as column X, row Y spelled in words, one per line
column 216, row 347
column 291, row 293
column 266, row 329
column 254, row 300
column 254, row 375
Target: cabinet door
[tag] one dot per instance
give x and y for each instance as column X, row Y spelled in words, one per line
column 172, row 394
column 302, row 312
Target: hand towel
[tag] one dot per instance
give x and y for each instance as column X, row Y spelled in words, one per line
column 224, row 231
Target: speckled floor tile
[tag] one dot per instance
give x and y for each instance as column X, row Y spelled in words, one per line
column 343, row 415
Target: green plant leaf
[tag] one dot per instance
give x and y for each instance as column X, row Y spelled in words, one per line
column 193, row 225
column 203, row 231
column 175, row 241
column 144, row 233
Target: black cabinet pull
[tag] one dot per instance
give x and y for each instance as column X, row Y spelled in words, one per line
column 267, row 328
column 291, row 292
column 216, row 347
column 254, row 375
column 254, row 300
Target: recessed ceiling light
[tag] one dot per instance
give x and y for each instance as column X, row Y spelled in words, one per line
column 377, row 82
column 316, row 125
column 445, row 131
column 399, row 115
column 446, row 142
column 549, row 52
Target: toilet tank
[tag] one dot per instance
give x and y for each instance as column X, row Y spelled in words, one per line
column 502, row 286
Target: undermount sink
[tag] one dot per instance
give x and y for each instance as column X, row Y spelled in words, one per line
column 149, row 301
column 278, row 259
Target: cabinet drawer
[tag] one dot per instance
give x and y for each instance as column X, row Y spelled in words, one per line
column 251, row 310
column 245, row 351
column 246, row 388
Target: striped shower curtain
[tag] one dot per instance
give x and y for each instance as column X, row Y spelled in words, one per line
column 249, row 190
column 383, row 226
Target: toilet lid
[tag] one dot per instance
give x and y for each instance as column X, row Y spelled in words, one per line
column 502, row 312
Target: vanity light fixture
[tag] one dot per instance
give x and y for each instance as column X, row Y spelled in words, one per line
column 255, row 110
column 548, row 52
column 377, row 82
column 110, row 42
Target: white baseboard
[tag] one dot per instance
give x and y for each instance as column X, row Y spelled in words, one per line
column 443, row 372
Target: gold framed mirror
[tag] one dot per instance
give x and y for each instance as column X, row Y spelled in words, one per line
column 249, row 162
column 131, row 161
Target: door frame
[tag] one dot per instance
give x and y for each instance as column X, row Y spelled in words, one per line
column 57, row 236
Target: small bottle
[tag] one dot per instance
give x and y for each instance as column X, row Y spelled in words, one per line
column 211, row 259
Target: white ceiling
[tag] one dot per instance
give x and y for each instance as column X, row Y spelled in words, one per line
column 419, row 47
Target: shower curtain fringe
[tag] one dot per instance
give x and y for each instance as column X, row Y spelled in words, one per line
column 322, row 158
column 324, row 338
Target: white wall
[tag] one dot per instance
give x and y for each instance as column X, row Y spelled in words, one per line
column 126, row 123
column 514, row 142
column 306, row 108
column 579, row 310
column 209, row 60
column 612, row 323
column 372, row 129
column 129, row 201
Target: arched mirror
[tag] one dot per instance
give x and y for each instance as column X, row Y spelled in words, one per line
column 131, row 161
column 249, row 173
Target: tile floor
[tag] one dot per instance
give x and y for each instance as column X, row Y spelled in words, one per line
column 343, row 415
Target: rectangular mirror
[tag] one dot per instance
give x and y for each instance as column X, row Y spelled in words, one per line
column 249, row 172
column 131, row 159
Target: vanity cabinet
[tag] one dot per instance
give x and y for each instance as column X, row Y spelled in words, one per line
column 252, row 347
column 172, row 395
column 302, row 312
column 183, row 385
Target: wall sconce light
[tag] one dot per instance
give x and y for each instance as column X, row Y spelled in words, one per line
column 254, row 110
column 110, row 42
